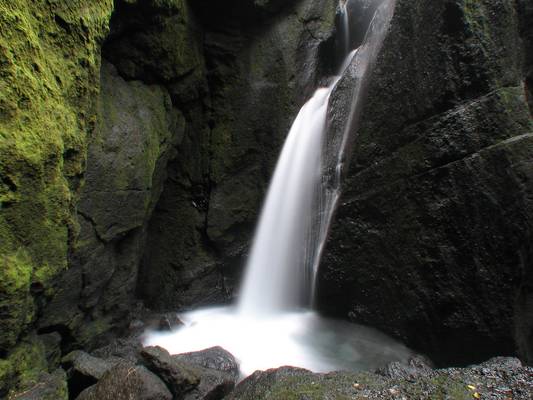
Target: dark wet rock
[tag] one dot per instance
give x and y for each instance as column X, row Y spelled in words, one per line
column 179, row 377
column 153, row 41
column 497, row 379
column 213, row 385
column 213, row 358
column 205, row 375
column 84, row 370
column 144, row 320
column 126, row 382
column 127, row 349
column 258, row 76
column 525, row 13
column 163, row 322
column 431, row 240
column 52, row 348
column 415, row 367
column 48, row 387
column 137, row 131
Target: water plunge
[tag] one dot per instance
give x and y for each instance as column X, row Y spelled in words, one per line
column 272, row 324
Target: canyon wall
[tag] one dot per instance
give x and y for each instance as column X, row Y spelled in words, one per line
column 432, row 240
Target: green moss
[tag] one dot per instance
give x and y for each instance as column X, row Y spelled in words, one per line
column 488, row 24
column 92, row 329
column 16, row 305
column 49, row 69
column 23, row 366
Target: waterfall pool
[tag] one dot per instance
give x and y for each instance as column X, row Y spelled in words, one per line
column 300, row 339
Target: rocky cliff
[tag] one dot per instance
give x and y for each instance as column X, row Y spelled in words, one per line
column 432, row 239
column 49, row 68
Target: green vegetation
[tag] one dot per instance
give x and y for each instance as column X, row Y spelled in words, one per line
column 49, row 75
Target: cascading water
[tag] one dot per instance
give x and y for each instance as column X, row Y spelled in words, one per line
column 345, row 26
column 272, row 324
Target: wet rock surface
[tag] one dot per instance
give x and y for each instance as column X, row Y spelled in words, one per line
column 213, row 358
column 84, row 370
column 210, row 374
column 431, row 240
column 125, row 382
column 178, row 376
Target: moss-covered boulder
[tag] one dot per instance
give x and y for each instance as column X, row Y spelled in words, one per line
column 431, row 241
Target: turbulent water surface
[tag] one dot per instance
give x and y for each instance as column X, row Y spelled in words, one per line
column 301, row 339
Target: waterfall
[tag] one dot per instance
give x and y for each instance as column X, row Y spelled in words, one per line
column 281, row 270
column 345, row 25
column 278, row 272
column 272, row 324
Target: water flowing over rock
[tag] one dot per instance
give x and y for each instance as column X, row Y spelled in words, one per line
column 431, row 241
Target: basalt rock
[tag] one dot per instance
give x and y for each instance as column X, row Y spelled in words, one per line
column 84, row 370
column 213, row 358
column 432, row 238
column 180, row 377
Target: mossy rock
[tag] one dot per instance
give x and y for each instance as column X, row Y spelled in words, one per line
column 49, row 68
column 23, row 367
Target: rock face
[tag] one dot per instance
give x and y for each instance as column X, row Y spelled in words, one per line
column 432, row 239
column 49, row 68
column 125, row 382
column 234, row 132
column 136, row 136
column 495, row 379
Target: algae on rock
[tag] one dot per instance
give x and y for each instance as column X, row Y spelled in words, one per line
column 49, row 67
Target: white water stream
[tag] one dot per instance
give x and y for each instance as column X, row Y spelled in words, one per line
column 270, row 326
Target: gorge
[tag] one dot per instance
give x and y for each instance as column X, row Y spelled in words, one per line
column 137, row 139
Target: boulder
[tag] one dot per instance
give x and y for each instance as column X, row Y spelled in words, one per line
column 128, row 349
column 126, row 382
column 84, row 370
column 213, row 358
column 205, row 375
